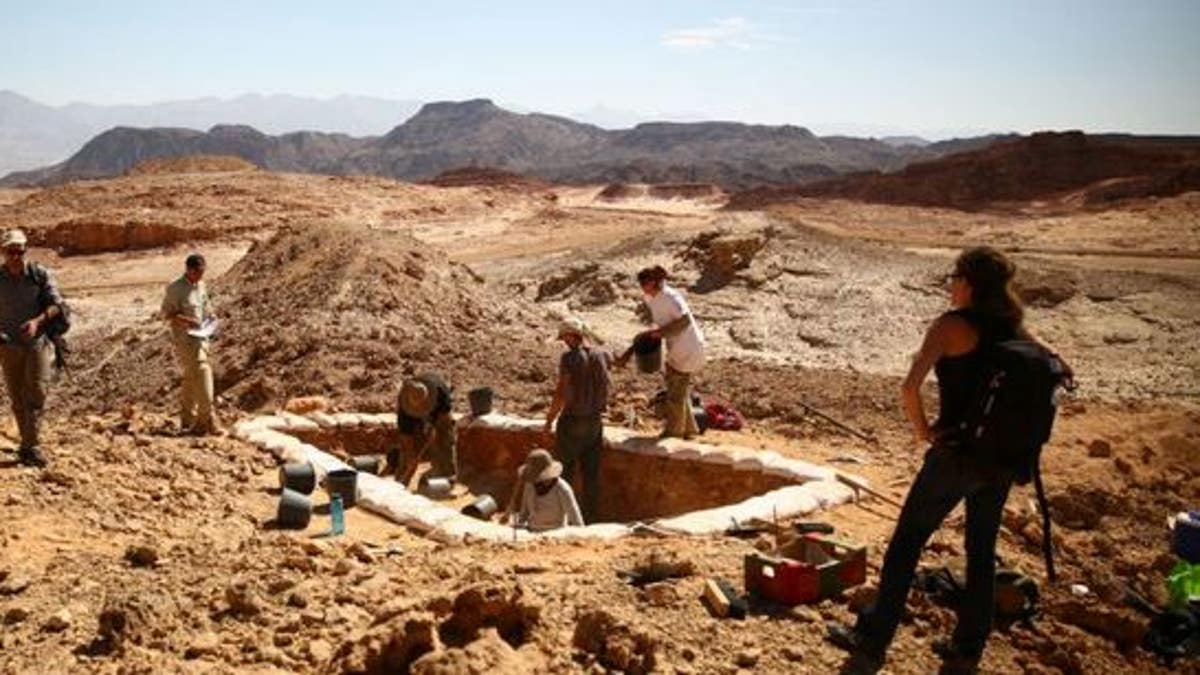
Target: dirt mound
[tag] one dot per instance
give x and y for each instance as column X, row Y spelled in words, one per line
column 1043, row 166
column 192, row 164
column 343, row 311
column 617, row 191
column 485, row 176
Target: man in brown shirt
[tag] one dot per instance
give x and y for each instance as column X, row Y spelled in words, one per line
column 581, row 398
column 29, row 299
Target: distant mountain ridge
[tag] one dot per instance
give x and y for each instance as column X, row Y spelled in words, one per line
column 33, row 134
column 477, row 133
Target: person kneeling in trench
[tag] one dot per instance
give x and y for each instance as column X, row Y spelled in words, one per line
column 423, row 416
column 546, row 500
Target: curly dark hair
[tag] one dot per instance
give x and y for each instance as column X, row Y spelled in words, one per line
column 990, row 274
column 656, row 274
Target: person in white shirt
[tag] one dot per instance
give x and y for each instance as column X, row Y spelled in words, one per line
column 674, row 323
column 547, row 501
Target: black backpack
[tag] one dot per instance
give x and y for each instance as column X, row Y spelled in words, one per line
column 1010, row 418
column 57, row 327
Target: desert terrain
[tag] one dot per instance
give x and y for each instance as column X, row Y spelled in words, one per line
column 140, row 551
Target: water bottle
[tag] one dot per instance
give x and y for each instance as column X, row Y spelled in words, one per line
column 338, row 515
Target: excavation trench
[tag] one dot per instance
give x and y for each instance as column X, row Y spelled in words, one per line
column 681, row 486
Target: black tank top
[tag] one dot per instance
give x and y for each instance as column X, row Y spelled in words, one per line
column 960, row 377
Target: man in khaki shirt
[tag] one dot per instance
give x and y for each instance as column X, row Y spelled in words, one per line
column 185, row 308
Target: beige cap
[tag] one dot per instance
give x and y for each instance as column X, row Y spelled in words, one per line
column 540, row 466
column 15, row 238
column 576, row 326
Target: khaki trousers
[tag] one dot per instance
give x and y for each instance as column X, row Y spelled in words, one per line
column 196, row 388
column 27, row 375
column 681, row 422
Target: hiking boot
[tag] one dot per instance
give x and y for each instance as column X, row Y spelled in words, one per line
column 956, row 658
column 862, row 661
column 31, row 457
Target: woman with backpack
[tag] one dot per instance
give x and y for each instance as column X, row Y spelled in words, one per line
column 985, row 311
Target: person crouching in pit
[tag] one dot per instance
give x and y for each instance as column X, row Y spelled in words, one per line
column 581, row 397
column 426, row 425
column 546, row 500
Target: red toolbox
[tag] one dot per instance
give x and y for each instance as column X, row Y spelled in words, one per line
column 810, row 568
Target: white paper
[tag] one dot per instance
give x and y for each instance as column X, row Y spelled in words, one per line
column 206, row 330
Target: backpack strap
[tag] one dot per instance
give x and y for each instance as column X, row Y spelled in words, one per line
column 1044, row 507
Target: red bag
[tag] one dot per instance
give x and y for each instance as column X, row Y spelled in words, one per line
column 724, row 417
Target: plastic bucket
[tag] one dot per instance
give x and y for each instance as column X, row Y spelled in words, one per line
column 295, row 510
column 481, row 508
column 436, row 488
column 343, row 482
column 1185, row 539
column 298, row 476
column 648, row 352
column 367, row 463
column 481, row 401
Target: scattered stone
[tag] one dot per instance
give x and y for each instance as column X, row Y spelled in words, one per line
column 805, row 614
column 15, row 615
column 1123, row 465
column 277, row 586
column 1099, row 448
column 614, row 644
column 362, row 553
column 243, row 600
column 862, row 596
column 343, row 567
column 489, row 654
column 748, row 658
column 661, row 594
column 319, row 651
column 14, row 584
column 297, row 599
column 58, row 621
column 204, row 644
column 143, row 555
column 793, row 653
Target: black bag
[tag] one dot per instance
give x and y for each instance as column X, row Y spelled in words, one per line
column 56, row 328
column 1011, row 417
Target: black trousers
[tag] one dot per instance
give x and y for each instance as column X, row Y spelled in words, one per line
column 945, row 479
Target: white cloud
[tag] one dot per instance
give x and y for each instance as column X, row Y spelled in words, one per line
column 734, row 32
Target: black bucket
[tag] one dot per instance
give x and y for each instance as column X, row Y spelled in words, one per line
column 701, row 416
column 481, row 508
column 367, row 464
column 295, row 510
column 343, row 482
column 481, row 401
column 298, row 476
column 648, row 351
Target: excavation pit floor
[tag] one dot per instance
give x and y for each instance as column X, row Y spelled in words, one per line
column 679, row 487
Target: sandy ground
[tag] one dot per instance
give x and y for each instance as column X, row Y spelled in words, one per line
column 824, row 310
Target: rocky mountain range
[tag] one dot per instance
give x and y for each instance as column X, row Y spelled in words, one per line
column 449, row 135
column 34, row 135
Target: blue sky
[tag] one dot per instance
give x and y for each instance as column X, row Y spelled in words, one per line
column 929, row 67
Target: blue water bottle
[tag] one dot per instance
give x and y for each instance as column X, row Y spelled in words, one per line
column 338, row 515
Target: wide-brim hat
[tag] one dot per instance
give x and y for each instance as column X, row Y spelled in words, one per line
column 540, row 466
column 576, row 326
column 14, row 238
column 416, row 400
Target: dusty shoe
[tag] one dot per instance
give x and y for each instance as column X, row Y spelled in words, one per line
column 862, row 661
column 209, row 428
column 31, row 457
column 956, row 658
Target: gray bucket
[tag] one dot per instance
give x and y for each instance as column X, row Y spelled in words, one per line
column 295, row 510
column 481, row 401
column 343, row 482
column 367, row 464
column 649, row 354
column 298, row 476
column 436, row 488
column 481, row 508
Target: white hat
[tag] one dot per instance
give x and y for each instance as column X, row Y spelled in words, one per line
column 15, row 238
column 576, row 326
